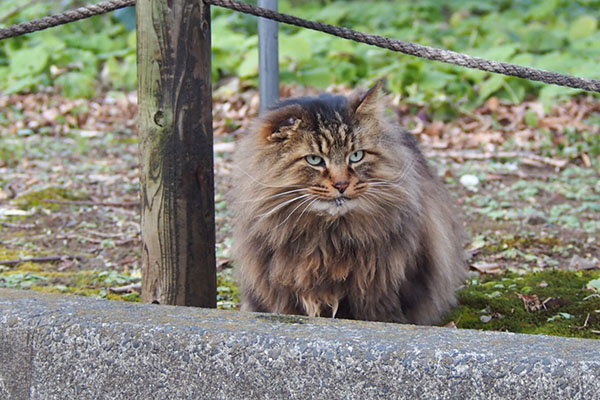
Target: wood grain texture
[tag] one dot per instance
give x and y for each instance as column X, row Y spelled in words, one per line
column 175, row 127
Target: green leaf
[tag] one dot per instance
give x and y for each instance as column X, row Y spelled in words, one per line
column 26, row 83
column 556, row 61
column 52, row 43
column 594, row 284
column 490, row 86
column 132, row 39
column 497, row 53
column 544, row 9
column 583, row 27
column 76, row 85
column 121, row 74
column 550, row 93
column 85, row 60
column 523, row 59
column 531, row 118
column 436, row 80
column 295, row 48
column 345, row 72
column 26, row 62
column 249, row 67
column 319, row 77
column 332, row 13
column 227, row 41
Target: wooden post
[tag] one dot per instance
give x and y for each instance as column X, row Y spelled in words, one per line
column 268, row 55
column 176, row 142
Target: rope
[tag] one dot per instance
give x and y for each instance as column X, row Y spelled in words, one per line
column 64, row 18
column 413, row 49
column 430, row 53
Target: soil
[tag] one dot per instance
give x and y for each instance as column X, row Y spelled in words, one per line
column 69, row 184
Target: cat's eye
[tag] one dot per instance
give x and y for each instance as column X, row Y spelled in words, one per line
column 357, row 156
column 314, row 160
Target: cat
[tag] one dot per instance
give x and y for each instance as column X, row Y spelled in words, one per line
column 337, row 214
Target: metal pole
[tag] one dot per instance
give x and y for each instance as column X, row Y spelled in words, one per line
column 268, row 55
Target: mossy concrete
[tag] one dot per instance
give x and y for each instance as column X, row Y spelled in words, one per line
column 68, row 347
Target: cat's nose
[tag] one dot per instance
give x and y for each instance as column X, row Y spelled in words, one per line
column 341, row 186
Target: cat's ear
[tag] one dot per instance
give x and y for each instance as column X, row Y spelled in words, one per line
column 366, row 103
column 279, row 125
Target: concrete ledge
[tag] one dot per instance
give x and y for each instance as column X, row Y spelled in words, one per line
column 67, row 347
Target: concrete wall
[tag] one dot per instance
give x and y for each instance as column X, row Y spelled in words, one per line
column 66, row 347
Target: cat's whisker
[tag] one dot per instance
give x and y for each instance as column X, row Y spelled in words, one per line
column 387, row 197
column 385, row 184
column 308, row 206
column 404, row 173
column 281, row 205
column 266, row 198
column 377, row 199
column 294, row 210
column 259, row 182
column 390, row 191
column 396, row 182
column 366, row 197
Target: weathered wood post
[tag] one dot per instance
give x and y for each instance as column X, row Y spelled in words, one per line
column 175, row 128
column 268, row 54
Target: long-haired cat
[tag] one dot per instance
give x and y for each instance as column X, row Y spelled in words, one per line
column 338, row 214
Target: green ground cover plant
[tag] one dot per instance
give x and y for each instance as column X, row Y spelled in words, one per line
column 550, row 302
column 557, row 35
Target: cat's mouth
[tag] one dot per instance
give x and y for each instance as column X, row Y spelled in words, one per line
column 339, row 201
column 334, row 206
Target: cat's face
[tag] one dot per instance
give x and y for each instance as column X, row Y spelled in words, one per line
column 330, row 160
column 326, row 155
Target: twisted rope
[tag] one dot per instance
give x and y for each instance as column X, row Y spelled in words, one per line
column 64, row 18
column 430, row 53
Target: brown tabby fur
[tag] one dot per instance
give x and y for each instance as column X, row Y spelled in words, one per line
column 376, row 239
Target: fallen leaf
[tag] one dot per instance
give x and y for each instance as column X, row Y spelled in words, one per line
column 134, row 287
column 487, row 268
column 451, row 325
column 586, row 160
column 492, row 104
column 530, row 302
column 580, row 263
column 435, row 129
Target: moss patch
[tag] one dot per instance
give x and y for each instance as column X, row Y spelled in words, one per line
column 38, row 197
column 550, row 302
column 228, row 294
column 11, row 254
column 85, row 283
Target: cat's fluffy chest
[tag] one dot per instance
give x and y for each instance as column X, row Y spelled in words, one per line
column 324, row 268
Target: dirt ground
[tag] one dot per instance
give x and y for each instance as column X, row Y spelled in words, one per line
column 525, row 177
